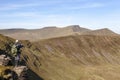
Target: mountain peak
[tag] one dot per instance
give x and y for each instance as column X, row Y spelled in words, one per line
column 74, row 26
column 105, row 29
column 50, row 27
column 77, row 28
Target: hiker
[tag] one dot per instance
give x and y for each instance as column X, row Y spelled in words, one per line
column 16, row 51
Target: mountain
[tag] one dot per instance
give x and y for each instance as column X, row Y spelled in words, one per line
column 76, row 57
column 101, row 32
column 10, row 31
column 77, row 28
column 73, row 57
column 53, row 32
column 44, row 33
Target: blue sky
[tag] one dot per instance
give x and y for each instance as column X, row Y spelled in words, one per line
column 92, row 14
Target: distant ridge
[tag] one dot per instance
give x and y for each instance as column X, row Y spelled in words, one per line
column 50, row 27
column 43, row 33
column 52, row 32
column 83, row 57
column 104, row 31
column 11, row 31
column 77, row 28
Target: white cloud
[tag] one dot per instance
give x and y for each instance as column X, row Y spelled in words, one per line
column 60, row 4
column 21, row 14
column 93, row 5
column 16, row 6
column 83, row 6
column 62, row 20
column 11, row 6
column 36, row 19
column 39, row 20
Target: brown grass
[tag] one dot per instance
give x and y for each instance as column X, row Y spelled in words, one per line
column 84, row 57
column 76, row 58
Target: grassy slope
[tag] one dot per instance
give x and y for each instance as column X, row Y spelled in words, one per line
column 5, row 43
column 73, row 57
column 76, row 58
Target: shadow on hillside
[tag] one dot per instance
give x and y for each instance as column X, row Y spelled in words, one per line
column 33, row 76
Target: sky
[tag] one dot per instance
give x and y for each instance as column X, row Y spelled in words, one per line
column 34, row 14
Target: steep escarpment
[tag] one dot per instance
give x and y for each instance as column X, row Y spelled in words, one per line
column 80, row 57
column 77, row 28
column 97, row 47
